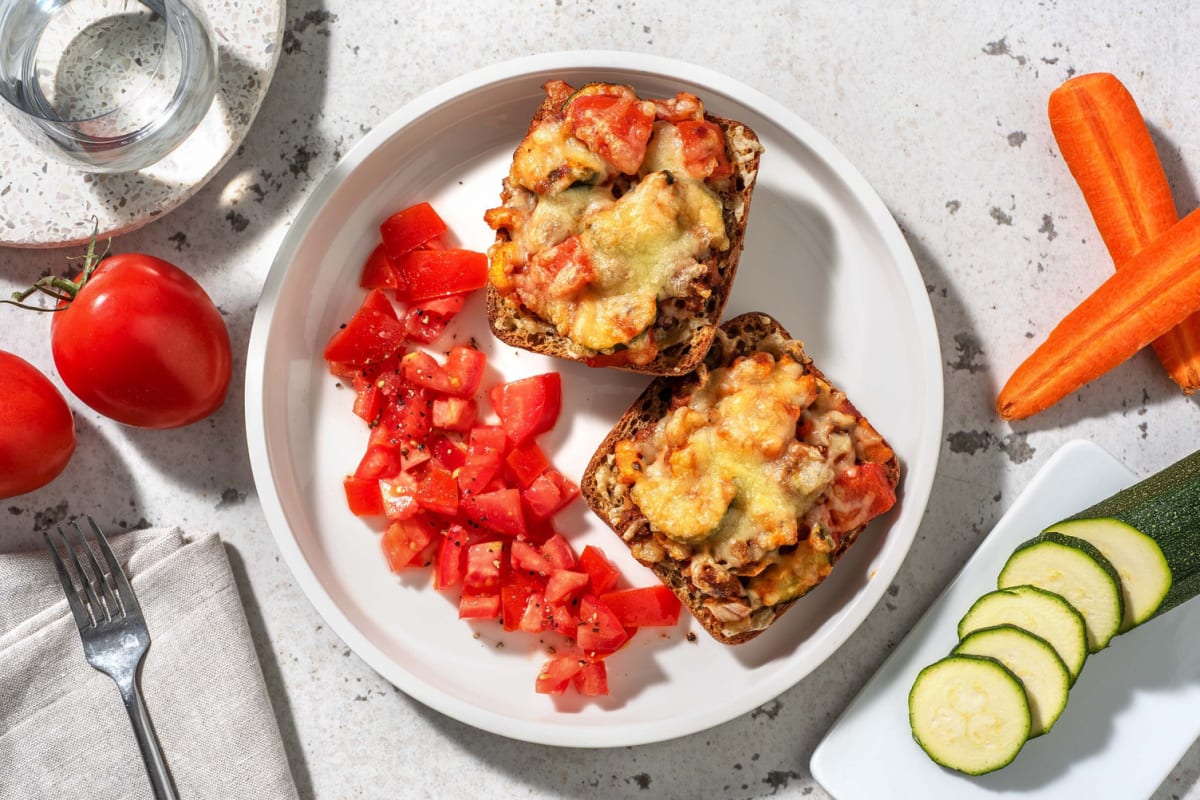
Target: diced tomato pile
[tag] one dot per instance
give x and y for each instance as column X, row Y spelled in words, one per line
column 475, row 501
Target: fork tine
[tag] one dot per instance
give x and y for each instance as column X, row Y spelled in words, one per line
column 82, row 618
column 100, row 585
column 124, row 590
column 99, row 612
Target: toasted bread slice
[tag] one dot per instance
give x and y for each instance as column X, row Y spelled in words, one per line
column 741, row 484
column 662, row 328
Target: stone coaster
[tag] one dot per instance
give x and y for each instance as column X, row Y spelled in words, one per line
column 45, row 203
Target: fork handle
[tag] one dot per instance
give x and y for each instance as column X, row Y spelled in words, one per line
column 156, row 766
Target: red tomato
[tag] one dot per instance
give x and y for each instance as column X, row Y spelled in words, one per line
column 448, row 567
column 565, row 584
column 525, row 463
column 427, row 320
column 528, row 406
column 437, row 273
column 592, row 679
column 372, row 335
column 704, row 149
column 438, row 492
column 409, row 229
column 615, row 127
column 498, row 510
column 142, row 343
column 648, row 606
column 860, row 494
column 454, row 413
column 557, row 673
column 37, row 431
column 363, row 496
column 600, row 631
column 378, row 272
column 602, row 574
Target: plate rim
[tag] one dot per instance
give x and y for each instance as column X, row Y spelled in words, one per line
column 917, row 486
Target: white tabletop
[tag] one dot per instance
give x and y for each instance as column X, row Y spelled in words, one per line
column 943, row 111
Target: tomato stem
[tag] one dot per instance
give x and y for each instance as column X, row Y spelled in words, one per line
column 63, row 290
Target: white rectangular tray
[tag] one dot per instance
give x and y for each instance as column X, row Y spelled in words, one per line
column 1132, row 714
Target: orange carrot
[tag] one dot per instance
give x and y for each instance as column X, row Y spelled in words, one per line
column 1153, row 292
column 1107, row 147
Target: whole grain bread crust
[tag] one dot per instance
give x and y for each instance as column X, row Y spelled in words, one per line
column 514, row 324
column 610, row 499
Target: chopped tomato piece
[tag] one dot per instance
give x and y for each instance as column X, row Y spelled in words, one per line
column 558, row 618
column 437, row 273
column 446, row 453
column 370, row 335
column 527, row 558
column 704, row 149
column 483, row 567
column 556, row 674
column 485, row 449
column 399, row 496
column 404, row 540
column 408, row 229
column 649, row 606
column 600, row 631
column 601, row 572
column 378, row 271
column 363, row 497
column 550, row 492
column 516, row 595
column 412, row 455
column 562, row 271
column 526, row 462
column 438, row 492
column 860, row 494
column 465, row 367
column 499, row 511
column 565, row 584
column 378, row 462
column 422, row 369
column 448, row 567
column 614, row 126
column 528, row 406
column 454, row 413
column 557, row 551
column 427, row 320
column 592, row 679
column 378, row 301
column 368, row 402
column 410, row 416
column 479, row 606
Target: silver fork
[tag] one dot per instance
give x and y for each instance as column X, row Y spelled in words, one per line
column 114, row 635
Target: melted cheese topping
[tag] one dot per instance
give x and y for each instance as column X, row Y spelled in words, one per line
column 648, row 246
column 729, row 487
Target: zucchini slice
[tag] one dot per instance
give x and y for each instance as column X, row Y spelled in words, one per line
column 1145, row 574
column 1166, row 508
column 969, row 713
column 1071, row 567
column 1031, row 658
column 1042, row 613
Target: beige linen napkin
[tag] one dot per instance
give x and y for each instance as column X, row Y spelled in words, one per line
column 64, row 733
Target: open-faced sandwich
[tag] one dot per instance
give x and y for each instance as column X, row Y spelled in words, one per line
column 620, row 228
column 742, row 483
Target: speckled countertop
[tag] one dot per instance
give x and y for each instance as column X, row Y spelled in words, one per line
column 943, row 111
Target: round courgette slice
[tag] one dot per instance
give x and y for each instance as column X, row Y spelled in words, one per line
column 969, row 713
column 1069, row 566
column 1034, row 661
column 1042, row 613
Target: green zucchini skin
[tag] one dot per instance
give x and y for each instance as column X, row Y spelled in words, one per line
column 1165, row 507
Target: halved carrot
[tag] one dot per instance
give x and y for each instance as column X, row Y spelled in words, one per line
column 1107, row 147
column 1153, row 292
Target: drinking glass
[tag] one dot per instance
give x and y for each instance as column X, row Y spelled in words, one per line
column 106, row 85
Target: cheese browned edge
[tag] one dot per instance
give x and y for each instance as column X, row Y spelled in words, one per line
column 515, row 325
column 611, row 499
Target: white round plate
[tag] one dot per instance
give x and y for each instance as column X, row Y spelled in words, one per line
column 822, row 255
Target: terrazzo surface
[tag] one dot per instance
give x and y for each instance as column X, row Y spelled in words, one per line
column 943, row 110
